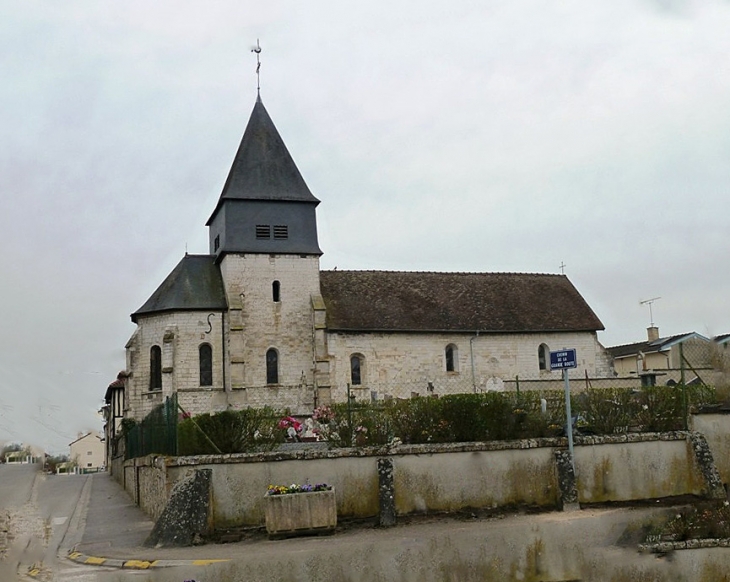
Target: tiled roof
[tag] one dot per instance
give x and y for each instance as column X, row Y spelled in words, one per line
column 118, row 383
column 722, row 338
column 195, row 284
column 649, row 347
column 454, row 302
column 82, row 437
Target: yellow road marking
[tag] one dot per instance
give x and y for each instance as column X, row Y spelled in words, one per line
column 206, row 562
column 138, row 564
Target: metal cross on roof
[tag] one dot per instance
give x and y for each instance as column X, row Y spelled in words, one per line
column 562, row 267
column 257, row 50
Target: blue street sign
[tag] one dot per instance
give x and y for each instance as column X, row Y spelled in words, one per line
column 563, row 359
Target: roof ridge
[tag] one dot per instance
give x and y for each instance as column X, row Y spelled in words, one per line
column 443, row 272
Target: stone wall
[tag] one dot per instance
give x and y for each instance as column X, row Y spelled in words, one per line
column 447, row 477
column 716, row 428
column 147, row 482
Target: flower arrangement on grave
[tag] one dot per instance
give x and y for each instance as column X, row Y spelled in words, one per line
column 325, row 425
column 292, row 426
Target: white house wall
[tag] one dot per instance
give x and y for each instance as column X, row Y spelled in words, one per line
column 88, row 452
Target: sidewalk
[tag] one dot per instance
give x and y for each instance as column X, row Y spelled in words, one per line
column 115, row 530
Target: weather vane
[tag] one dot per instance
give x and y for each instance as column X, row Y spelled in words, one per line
column 257, row 50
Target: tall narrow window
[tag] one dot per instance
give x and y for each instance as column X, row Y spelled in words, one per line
column 542, row 356
column 155, row 368
column 205, row 356
column 356, row 370
column 276, row 291
column 451, row 357
column 272, row 366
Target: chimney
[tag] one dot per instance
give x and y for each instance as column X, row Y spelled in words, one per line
column 653, row 333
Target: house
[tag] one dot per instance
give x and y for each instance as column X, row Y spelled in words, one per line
column 256, row 322
column 88, row 453
column 663, row 357
column 66, row 468
column 113, row 414
column 23, row 457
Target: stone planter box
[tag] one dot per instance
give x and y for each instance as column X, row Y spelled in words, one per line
column 300, row 513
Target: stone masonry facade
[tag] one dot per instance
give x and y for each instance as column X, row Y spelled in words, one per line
column 406, row 364
column 254, row 312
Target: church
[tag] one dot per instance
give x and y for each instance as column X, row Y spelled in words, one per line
column 256, row 322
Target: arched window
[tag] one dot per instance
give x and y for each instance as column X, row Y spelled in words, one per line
column 276, row 291
column 356, row 362
column 272, row 366
column 205, row 356
column 543, row 354
column 451, row 355
column 155, row 368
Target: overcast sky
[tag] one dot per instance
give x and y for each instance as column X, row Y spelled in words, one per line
column 470, row 136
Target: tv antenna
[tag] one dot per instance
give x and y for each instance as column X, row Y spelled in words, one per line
column 649, row 302
column 257, row 50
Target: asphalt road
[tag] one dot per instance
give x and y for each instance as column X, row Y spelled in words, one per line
column 41, row 516
column 44, row 516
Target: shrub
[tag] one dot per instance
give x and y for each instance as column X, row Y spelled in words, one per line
column 606, row 410
column 247, row 430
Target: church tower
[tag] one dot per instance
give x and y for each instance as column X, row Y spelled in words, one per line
column 263, row 235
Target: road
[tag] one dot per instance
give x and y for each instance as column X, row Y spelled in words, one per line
column 42, row 516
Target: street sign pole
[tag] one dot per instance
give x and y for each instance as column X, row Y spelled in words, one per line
column 563, row 360
column 569, row 415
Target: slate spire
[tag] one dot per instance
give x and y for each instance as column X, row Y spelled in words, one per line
column 264, row 193
column 263, row 169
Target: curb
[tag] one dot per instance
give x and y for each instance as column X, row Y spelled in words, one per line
column 693, row 544
column 80, row 558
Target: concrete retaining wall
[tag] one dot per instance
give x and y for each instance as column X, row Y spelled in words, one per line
column 456, row 480
column 446, row 477
column 637, row 470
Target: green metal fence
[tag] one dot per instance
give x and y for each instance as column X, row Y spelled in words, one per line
column 157, row 433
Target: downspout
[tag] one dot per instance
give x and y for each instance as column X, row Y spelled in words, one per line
column 223, row 353
column 471, row 350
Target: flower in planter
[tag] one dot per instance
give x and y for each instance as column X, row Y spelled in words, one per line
column 294, row 488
